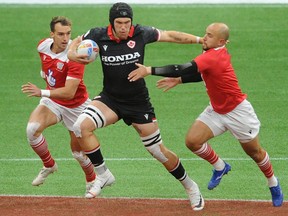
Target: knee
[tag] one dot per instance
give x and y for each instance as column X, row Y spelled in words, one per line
column 153, row 144
column 79, row 156
column 254, row 149
column 192, row 143
column 257, row 154
column 33, row 130
column 157, row 153
column 88, row 121
column 79, row 128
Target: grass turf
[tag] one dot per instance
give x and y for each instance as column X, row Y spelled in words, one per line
column 258, row 49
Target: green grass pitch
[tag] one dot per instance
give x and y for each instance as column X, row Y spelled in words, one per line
column 258, row 45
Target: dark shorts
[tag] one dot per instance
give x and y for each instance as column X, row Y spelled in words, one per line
column 140, row 112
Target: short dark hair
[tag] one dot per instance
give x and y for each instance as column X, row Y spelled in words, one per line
column 120, row 9
column 59, row 19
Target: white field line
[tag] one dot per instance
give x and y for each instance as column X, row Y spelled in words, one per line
column 130, row 159
column 135, row 159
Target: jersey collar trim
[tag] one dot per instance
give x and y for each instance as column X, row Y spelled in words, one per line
column 218, row 48
column 112, row 37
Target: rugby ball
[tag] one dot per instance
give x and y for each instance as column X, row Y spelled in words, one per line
column 88, row 47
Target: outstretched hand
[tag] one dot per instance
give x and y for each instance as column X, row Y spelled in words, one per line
column 139, row 73
column 31, row 90
column 168, row 83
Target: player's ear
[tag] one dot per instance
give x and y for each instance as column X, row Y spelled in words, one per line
column 222, row 42
column 51, row 34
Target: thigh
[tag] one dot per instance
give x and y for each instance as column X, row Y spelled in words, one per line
column 107, row 115
column 110, row 116
column 70, row 115
column 199, row 133
column 211, row 120
column 44, row 116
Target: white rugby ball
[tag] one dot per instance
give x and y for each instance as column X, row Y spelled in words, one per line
column 88, row 47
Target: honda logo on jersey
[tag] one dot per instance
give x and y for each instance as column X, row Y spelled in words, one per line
column 121, row 58
column 131, row 44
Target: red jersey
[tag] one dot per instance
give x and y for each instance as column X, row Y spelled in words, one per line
column 57, row 68
column 220, row 79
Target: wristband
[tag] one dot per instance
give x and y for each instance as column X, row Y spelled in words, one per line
column 197, row 40
column 152, row 70
column 45, row 93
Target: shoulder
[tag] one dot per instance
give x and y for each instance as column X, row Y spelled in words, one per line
column 97, row 32
column 140, row 28
column 208, row 53
column 149, row 34
column 211, row 57
column 44, row 44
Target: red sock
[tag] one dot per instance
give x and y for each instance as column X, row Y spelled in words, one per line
column 86, row 165
column 89, row 172
column 40, row 146
column 266, row 166
column 207, row 153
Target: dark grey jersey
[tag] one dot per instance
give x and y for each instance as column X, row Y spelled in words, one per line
column 118, row 58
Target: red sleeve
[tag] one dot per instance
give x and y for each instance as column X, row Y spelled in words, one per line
column 203, row 62
column 76, row 70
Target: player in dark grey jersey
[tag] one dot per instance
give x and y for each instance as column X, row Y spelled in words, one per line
column 122, row 45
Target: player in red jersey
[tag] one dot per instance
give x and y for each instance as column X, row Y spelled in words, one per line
column 228, row 109
column 122, row 44
column 63, row 100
